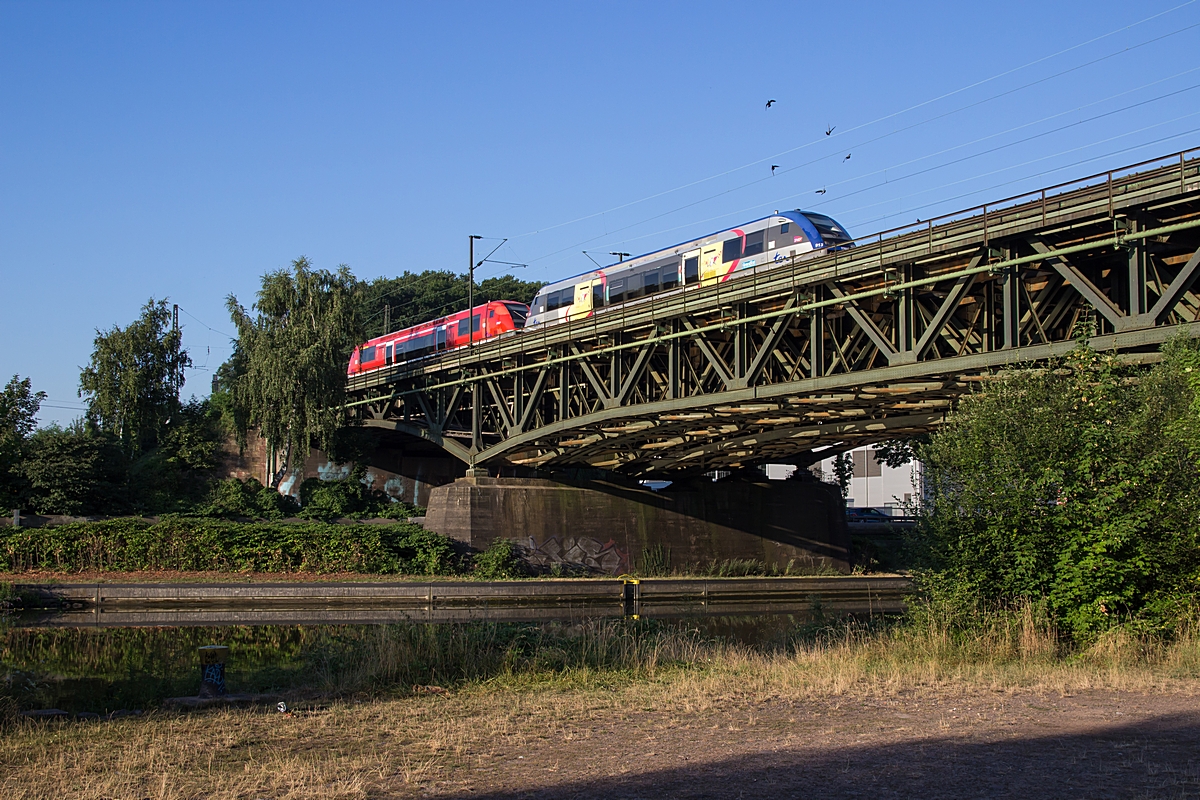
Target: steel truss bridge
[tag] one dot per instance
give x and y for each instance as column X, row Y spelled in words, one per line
column 846, row 348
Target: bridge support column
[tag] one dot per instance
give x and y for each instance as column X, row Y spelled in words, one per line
column 612, row 527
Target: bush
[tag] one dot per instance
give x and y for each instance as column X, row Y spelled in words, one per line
column 500, row 562
column 1075, row 485
column 198, row 544
column 328, row 500
column 250, row 499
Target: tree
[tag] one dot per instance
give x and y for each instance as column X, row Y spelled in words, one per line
column 132, row 384
column 843, row 471
column 416, row 297
column 19, row 406
column 75, row 470
column 1074, row 485
column 293, row 352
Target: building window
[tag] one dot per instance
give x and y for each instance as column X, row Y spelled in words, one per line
column 866, row 465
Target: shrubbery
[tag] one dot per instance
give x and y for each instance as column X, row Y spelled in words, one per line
column 1075, row 485
column 197, row 544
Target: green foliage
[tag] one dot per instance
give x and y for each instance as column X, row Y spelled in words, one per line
column 349, row 497
column 132, row 383
column 290, row 378
column 198, row 544
column 19, row 406
column 500, row 562
column 176, row 475
column 1075, row 484
column 418, row 297
column 896, row 453
column 843, row 471
column 75, row 470
column 656, row 561
column 81, row 470
column 232, row 498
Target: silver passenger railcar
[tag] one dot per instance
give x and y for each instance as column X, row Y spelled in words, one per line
column 707, row 260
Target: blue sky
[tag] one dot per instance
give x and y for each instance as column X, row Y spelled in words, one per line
column 181, row 150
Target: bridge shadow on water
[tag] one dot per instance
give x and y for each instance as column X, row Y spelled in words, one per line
column 1157, row 758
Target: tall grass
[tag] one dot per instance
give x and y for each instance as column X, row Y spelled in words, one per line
column 933, row 645
column 448, row 655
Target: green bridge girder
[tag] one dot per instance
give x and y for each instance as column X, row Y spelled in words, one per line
column 834, row 351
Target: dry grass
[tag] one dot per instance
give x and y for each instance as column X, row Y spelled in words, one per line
column 400, row 744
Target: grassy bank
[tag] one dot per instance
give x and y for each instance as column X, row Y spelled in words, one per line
column 507, row 692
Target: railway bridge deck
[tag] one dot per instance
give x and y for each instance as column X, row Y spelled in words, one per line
column 849, row 347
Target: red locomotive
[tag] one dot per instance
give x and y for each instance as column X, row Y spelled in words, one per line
column 446, row 333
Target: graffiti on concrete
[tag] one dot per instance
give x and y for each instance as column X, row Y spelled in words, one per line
column 581, row 551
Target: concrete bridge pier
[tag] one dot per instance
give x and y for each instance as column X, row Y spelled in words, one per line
column 610, row 526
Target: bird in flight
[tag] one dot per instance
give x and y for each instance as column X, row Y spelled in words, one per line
column 830, row 129
column 820, row 191
column 847, row 158
column 773, row 168
column 770, row 103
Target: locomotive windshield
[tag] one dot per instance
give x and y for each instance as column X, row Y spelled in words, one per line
column 829, row 229
column 519, row 312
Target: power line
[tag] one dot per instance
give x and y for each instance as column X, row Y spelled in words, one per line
column 788, row 198
column 861, row 126
column 1043, row 173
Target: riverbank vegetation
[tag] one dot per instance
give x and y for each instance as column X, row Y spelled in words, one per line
column 1074, row 485
column 139, row 449
column 401, row 708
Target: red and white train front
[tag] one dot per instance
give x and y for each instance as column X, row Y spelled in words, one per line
column 446, row 333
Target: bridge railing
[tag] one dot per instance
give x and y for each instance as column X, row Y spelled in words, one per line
column 1094, row 194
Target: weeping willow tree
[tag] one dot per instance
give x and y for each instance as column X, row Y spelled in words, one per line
column 292, row 353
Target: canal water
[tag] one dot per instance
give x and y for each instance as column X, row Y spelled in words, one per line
column 131, row 669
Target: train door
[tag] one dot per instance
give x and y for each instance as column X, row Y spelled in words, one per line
column 710, row 263
column 691, row 267
column 589, row 295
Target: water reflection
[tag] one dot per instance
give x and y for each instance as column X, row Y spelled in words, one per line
column 102, row 670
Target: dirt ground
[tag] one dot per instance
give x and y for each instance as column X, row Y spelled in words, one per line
column 635, row 742
column 1098, row 744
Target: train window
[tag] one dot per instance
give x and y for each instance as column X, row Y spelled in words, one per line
column 518, row 312
column 475, row 322
column 597, row 295
column 388, row 356
column 462, row 326
column 616, row 291
column 733, row 250
column 670, row 277
column 441, row 336
column 784, row 235
column 828, row 228
column 754, row 243
column 691, row 269
column 554, row 300
column 368, row 355
column 633, row 287
column 650, row 281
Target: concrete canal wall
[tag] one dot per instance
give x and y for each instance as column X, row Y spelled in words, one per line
column 611, row 527
column 103, row 604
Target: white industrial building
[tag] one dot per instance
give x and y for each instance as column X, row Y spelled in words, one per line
column 873, row 485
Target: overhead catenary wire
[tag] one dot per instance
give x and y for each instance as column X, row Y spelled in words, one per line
column 861, row 126
column 449, row 292
column 883, row 170
column 1043, row 173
